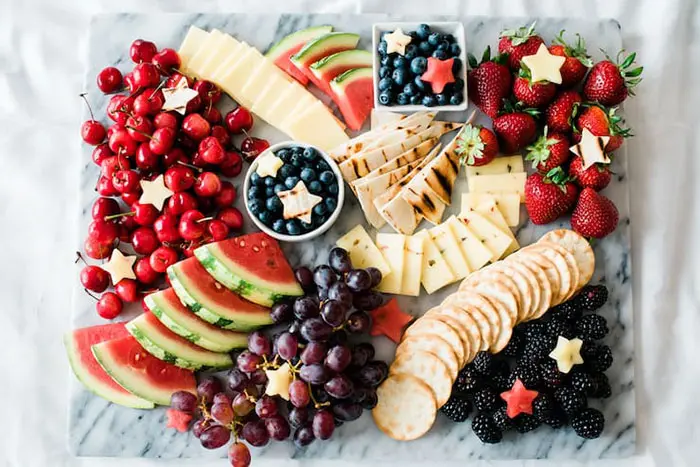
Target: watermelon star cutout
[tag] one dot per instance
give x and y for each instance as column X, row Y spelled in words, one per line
column 120, row 267
column 397, row 41
column 178, row 420
column 518, row 399
column 438, row 74
column 591, row 148
column 155, row 192
column 389, row 320
column 567, row 353
column 278, row 381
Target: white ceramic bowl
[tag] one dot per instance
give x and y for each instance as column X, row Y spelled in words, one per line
column 445, row 27
column 308, row 235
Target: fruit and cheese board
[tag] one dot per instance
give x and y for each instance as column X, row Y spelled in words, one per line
column 443, row 272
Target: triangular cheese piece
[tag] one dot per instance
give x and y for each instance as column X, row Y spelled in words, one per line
column 363, row 252
column 474, row 250
column 190, row 45
column 206, row 50
column 507, row 202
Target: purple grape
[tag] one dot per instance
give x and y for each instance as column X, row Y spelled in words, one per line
column 367, row 301
column 333, row 313
column 370, row 399
column 236, row 380
column 281, row 313
column 314, row 374
column 338, row 358
column 305, row 278
column 259, row 343
column 305, row 308
column 303, row 437
column 287, row 345
column 241, row 405
column 215, row 436
column 252, row 390
column 339, row 337
column 361, row 354
column 208, row 388
column 255, row 433
column 247, row 361
column 298, row 416
column 375, row 274
column 299, row 393
column 266, row 407
column 184, row 402
column 320, row 394
column 324, row 276
column 294, row 328
column 339, row 260
column 222, row 398
column 358, row 322
column 258, row 377
column 340, row 292
column 322, row 294
column 200, row 426
column 222, row 413
column 373, row 373
column 347, row 411
column 277, row 427
column 339, row 387
column 315, row 330
column 314, row 352
column 323, row 424
column 358, row 280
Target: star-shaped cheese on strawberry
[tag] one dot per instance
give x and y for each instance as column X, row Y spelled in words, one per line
column 397, row 41
column 298, row 202
column 155, row 192
column 544, row 66
column 389, row 320
column 591, row 148
column 567, row 353
column 439, row 74
column 120, row 267
column 518, row 399
column 178, row 97
column 278, row 381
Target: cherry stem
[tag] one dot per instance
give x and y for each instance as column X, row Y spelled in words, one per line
column 79, row 257
column 91, row 295
column 117, row 216
column 158, row 88
column 142, row 133
column 193, row 167
column 92, row 116
column 204, row 219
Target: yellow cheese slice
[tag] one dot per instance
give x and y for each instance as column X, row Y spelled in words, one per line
column 436, row 273
column 224, row 47
column 283, row 105
column 412, row 266
column 393, row 248
column 363, row 252
column 233, row 81
column 508, row 202
column 488, row 233
column 228, row 63
column 304, row 106
column 500, row 165
column 445, row 240
column 499, row 183
column 488, row 209
column 275, row 87
column 320, row 128
column 257, row 80
column 474, row 250
column 206, row 50
column 190, row 45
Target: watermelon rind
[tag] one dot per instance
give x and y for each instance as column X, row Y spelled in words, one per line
column 346, row 78
column 294, row 39
column 96, row 386
column 323, row 46
column 356, row 58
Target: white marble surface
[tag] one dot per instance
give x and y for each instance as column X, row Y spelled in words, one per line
column 41, row 63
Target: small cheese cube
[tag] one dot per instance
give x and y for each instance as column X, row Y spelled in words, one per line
column 436, row 272
column 392, row 247
column 412, row 266
column 363, row 252
column 500, row 165
column 508, row 202
column 499, row 183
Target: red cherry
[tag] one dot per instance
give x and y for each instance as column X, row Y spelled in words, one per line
column 205, row 204
column 115, row 127
column 128, row 222
column 185, row 142
column 139, row 128
column 218, row 230
column 162, row 258
column 207, row 184
column 162, row 140
column 112, row 164
column 196, row 127
column 231, row 217
column 145, row 158
column 149, row 102
column 109, row 79
column 166, row 61
column 165, row 227
column 180, row 202
column 191, row 227
column 144, row 240
column 211, row 150
column 104, row 232
column 189, row 250
column 97, row 250
column 221, row 133
column 239, row 120
column 131, row 197
column 119, row 108
column 194, row 105
column 93, row 132
column 105, row 188
column 100, row 153
column 212, row 115
column 144, row 272
column 146, row 75
column 226, row 196
column 252, row 147
column 142, row 51
column 94, row 278
column 175, row 78
column 126, row 181
column 109, row 306
column 103, row 207
column 124, row 236
column 208, row 91
column 179, row 178
column 127, row 290
column 173, row 156
column 163, row 119
column 121, row 142
column 232, row 165
column 130, row 83
column 144, row 214
column 198, row 161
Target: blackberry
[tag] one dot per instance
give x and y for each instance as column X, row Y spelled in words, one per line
column 486, row 399
column 534, row 329
column 543, row 407
column 558, row 327
column 528, row 373
column 501, row 382
column 515, row 345
column 602, row 386
column 583, row 381
column 568, row 311
column 525, row 423
column 486, row 430
column 588, row 423
column 539, row 346
column 570, row 400
column 457, row 408
column 592, row 297
column 597, row 357
column 467, row 381
column 591, row 327
column 502, row 420
column 551, row 376
column 482, row 363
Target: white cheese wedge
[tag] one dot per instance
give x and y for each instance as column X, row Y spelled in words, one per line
column 320, row 128
column 225, row 47
column 412, row 266
column 498, row 183
column 206, row 50
column 380, row 118
column 436, row 273
column 190, row 45
column 488, row 209
column 508, row 202
column 234, row 80
column 393, row 248
column 268, row 164
column 228, row 63
column 363, row 252
column 450, row 249
column 274, row 88
column 258, row 79
column 500, row 165
column 488, row 233
column 474, row 250
column 298, row 202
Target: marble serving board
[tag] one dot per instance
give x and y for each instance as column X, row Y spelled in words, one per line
column 98, row 428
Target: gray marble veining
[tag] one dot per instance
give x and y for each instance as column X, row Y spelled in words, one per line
column 97, row 428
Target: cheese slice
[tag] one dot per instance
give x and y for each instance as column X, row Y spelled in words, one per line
column 393, row 248
column 508, row 203
column 498, row 183
column 306, row 104
column 488, row 233
column 320, row 128
column 380, row 118
column 258, row 79
column 474, row 250
column 274, row 88
column 228, row 63
column 190, row 45
column 284, row 104
column 450, row 249
column 235, row 79
column 500, row 165
column 224, row 47
column 436, row 273
column 408, row 157
column 412, row 266
column 363, row 252
column 439, row 176
column 488, row 209
column 206, row 50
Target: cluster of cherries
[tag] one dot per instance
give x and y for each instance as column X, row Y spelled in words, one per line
column 191, row 151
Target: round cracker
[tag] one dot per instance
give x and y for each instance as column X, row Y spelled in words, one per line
column 457, row 326
column 460, row 319
column 526, row 284
column 435, row 345
column 499, row 285
column 478, row 308
column 429, row 369
column 544, row 273
column 406, row 407
column 549, row 269
column 577, row 246
column 492, row 291
column 430, row 325
column 565, row 264
column 533, row 285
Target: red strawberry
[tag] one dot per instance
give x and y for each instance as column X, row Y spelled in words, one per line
column 595, row 215
column 609, row 83
column 531, row 94
column 476, row 145
column 515, row 129
column 561, row 111
column 489, row 82
column 596, row 176
column 602, row 123
column 518, row 43
column 548, row 197
column 549, row 152
column 577, row 60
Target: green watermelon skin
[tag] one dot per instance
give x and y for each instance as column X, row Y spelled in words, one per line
column 87, row 369
column 281, row 51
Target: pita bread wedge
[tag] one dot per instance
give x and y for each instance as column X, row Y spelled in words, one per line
column 439, row 176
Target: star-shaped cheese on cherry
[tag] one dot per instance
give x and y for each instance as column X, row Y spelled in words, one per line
column 518, row 399
column 298, row 202
column 155, row 192
column 544, row 66
column 120, row 266
column 178, row 97
column 389, row 320
column 591, row 148
column 278, row 381
column 567, row 353
column 397, row 41
column 439, row 74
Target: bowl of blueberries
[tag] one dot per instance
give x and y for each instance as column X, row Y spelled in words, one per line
column 419, row 66
column 293, row 191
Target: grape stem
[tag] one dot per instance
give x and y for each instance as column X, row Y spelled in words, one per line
column 317, row 405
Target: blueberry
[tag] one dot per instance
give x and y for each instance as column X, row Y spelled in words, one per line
column 279, row 226
column 256, row 206
column 417, row 99
column 331, row 204
column 440, row 54
column 265, row 217
column 449, row 38
column 283, row 154
column 315, row 187
column 320, row 209
column 270, row 181
column 386, row 60
column 293, row 227
column 411, row 52
column 298, row 151
column 441, row 99
column 273, row 204
column 385, row 84
column 255, row 179
column 400, row 62
column 384, row 71
column 327, row 177
column 287, row 170
column 418, row 65
column 455, row 50
column 308, row 175
column 421, row 85
column 410, row 89
column 382, row 47
column 296, row 160
column 434, row 39
column 279, row 187
column 423, row 31
column 307, row 227
column 425, row 48
column 444, row 45
column 403, row 99
column 333, row 189
column 322, row 219
column 429, row 101
column 385, row 97
column 400, row 76
column 456, row 66
column 254, row 192
column 322, row 165
column 456, row 99
column 269, row 191
column 291, row 182
column 310, row 154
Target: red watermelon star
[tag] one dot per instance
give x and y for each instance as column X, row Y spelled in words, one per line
column 389, row 320
column 519, row 399
column 439, row 74
column 178, row 420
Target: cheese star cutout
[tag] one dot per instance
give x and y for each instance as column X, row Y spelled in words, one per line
column 518, row 399
column 120, row 267
column 389, row 320
column 177, row 98
column 268, row 165
column 298, row 202
column 397, row 42
column 591, row 148
column 155, row 192
column 278, row 381
column 567, row 353
column 438, row 74
column 544, row 66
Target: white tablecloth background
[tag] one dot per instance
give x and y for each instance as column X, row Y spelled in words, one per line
column 42, row 48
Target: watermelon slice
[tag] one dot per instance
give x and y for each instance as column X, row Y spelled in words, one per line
column 388, row 320
column 331, row 66
column 353, row 91
column 253, row 266
column 141, row 373
column 322, row 47
column 281, row 51
column 78, row 345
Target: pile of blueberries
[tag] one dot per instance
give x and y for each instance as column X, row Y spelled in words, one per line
column 399, row 76
column 300, row 163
